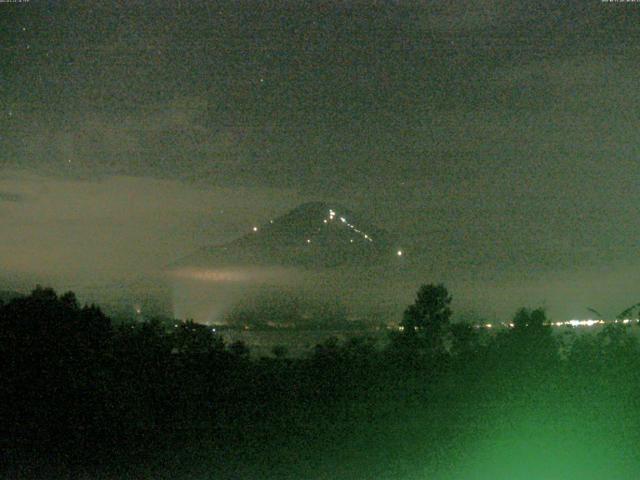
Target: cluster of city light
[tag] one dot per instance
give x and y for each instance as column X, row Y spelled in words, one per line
column 591, row 322
column 570, row 323
column 580, row 323
column 176, row 325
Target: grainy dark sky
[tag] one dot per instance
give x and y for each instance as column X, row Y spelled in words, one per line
column 498, row 139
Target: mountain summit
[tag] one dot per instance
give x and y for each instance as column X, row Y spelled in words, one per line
column 312, row 235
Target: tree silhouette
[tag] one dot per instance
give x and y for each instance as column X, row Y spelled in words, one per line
column 426, row 321
column 239, row 349
column 77, row 390
column 530, row 345
column 465, row 339
column 280, row 351
column 530, row 320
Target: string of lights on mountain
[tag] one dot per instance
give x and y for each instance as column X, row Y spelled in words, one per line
column 330, row 218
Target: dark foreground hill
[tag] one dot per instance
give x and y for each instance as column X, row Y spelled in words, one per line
column 84, row 398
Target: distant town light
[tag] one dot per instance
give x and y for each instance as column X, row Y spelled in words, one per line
column 308, row 240
column 399, row 253
column 255, row 229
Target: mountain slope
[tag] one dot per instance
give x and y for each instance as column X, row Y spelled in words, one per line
column 313, row 235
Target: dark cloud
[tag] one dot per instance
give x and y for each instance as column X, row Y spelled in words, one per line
column 120, row 226
column 11, row 197
column 496, row 137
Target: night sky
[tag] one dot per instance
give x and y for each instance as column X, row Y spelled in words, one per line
column 499, row 140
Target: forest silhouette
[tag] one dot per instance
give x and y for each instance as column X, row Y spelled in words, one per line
column 84, row 396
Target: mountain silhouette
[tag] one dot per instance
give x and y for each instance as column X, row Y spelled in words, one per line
column 312, row 235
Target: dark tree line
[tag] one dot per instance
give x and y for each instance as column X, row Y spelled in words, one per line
column 83, row 394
